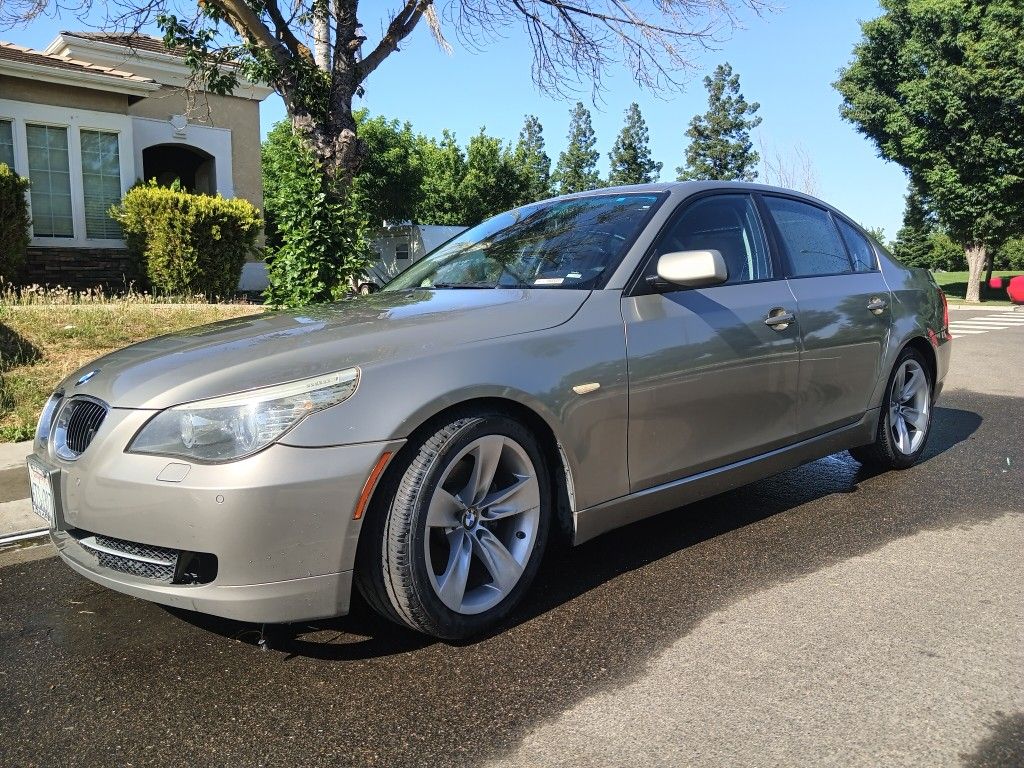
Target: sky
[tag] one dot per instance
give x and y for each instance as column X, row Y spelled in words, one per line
column 787, row 61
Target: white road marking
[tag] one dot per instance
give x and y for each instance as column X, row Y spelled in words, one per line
column 984, row 323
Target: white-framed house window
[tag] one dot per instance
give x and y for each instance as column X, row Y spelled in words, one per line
column 7, row 143
column 79, row 164
column 101, row 182
column 49, row 170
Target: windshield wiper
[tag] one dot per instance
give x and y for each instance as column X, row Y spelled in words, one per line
column 481, row 284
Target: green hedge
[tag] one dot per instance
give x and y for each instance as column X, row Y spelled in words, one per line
column 14, row 222
column 186, row 243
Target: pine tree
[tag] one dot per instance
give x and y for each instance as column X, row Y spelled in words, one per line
column 576, row 170
column 532, row 163
column 630, row 158
column 720, row 146
column 913, row 240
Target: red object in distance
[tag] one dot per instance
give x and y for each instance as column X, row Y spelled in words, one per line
column 1015, row 290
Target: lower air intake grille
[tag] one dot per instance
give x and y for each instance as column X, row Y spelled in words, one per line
column 157, row 563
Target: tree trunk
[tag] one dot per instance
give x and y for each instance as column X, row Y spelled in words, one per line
column 322, row 40
column 976, row 254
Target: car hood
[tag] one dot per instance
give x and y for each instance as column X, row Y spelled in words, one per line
column 275, row 347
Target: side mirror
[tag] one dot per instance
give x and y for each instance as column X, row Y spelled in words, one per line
column 693, row 269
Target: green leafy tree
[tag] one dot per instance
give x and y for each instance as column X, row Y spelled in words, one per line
column 1011, row 254
column 944, row 253
column 630, row 158
column 877, row 234
column 720, row 146
column 491, row 184
column 316, row 242
column 390, row 182
column 576, row 170
column 532, row 162
column 938, row 87
column 444, row 167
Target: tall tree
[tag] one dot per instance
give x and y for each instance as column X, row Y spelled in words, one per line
column 913, row 239
column 630, row 158
column 938, row 87
column 720, row 146
column 576, row 170
column 444, row 167
column 491, row 184
column 532, row 162
column 391, row 179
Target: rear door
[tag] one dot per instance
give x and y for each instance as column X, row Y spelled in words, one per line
column 842, row 309
column 709, row 381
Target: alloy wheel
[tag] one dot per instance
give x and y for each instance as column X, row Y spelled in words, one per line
column 482, row 524
column 909, row 407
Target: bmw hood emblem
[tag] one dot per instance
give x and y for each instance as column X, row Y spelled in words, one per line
column 86, row 377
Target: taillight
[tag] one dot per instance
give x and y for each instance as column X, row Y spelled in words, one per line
column 945, row 309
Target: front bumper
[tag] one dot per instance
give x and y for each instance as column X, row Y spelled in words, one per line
column 280, row 523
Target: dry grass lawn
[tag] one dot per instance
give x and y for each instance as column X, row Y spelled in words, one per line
column 40, row 344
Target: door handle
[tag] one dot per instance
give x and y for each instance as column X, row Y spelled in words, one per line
column 877, row 305
column 779, row 319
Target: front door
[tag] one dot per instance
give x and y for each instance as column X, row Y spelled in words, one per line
column 843, row 310
column 710, row 382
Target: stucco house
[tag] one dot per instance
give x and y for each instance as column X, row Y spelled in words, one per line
column 91, row 115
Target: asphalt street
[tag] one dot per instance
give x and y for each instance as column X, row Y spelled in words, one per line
column 825, row 616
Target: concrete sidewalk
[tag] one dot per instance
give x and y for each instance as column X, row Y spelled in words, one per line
column 16, row 515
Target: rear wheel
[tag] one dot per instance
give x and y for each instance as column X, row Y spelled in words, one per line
column 456, row 546
column 906, row 419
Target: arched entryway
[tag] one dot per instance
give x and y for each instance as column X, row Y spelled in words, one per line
column 194, row 168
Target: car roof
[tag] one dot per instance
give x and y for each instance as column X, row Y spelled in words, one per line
column 683, row 189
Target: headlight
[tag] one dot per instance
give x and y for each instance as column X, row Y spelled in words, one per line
column 46, row 417
column 234, row 426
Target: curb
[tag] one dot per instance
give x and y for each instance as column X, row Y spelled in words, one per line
column 17, row 520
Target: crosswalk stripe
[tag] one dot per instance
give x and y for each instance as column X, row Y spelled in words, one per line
column 964, row 333
column 985, row 322
column 986, row 326
column 1014, row 320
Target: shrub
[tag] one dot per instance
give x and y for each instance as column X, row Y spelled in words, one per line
column 14, row 221
column 186, row 243
column 317, row 243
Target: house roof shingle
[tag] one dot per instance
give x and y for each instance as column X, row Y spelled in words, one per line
column 19, row 53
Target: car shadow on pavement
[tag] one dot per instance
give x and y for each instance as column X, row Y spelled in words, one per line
column 568, row 573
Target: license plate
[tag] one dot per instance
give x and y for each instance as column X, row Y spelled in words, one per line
column 42, row 491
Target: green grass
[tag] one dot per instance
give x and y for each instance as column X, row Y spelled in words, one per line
column 40, row 344
column 955, row 286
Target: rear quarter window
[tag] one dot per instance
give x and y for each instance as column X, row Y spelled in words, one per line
column 861, row 252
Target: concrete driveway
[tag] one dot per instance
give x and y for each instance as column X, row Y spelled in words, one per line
column 826, row 616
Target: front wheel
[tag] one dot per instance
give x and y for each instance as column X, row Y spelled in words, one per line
column 455, row 548
column 906, row 416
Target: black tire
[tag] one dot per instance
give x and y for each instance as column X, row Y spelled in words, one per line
column 391, row 567
column 883, row 452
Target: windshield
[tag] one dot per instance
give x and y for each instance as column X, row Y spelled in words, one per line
column 556, row 244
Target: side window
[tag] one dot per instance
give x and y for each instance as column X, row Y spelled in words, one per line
column 858, row 246
column 727, row 224
column 809, row 238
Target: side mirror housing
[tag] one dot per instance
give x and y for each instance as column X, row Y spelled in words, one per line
column 693, row 269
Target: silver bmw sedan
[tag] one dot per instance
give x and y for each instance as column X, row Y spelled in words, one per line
column 565, row 368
